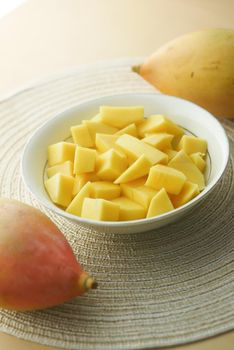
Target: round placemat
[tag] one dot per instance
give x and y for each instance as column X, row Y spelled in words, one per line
column 165, row 287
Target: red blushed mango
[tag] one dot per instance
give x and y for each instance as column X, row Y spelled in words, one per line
column 37, row 266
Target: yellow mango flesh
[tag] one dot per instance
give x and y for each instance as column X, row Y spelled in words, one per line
column 134, row 148
column 184, row 163
column 120, row 117
column 104, row 190
column 139, row 194
column 81, row 136
column 129, row 210
column 95, row 127
column 61, row 152
column 85, row 160
column 131, row 129
column 75, row 207
column 104, row 142
column 100, row 209
column 160, row 141
column 161, row 176
column 110, row 165
column 112, row 162
column 158, row 123
column 171, row 153
column 65, row 168
column 81, row 180
column 191, row 144
column 159, row 204
column 188, row 192
column 59, row 188
column 198, row 161
column 135, row 171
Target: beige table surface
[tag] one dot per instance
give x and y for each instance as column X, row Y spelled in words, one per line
column 45, row 37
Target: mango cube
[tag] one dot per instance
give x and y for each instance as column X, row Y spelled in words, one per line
column 59, row 188
column 65, row 168
column 104, row 142
column 198, row 160
column 129, row 210
column 159, row 204
column 81, row 180
column 95, row 127
column 159, row 123
column 120, row 117
column 171, row 153
column 104, row 190
column 184, row 163
column 61, row 152
column 97, row 118
column 131, row 129
column 134, row 148
column 81, row 135
column 188, row 192
column 85, row 160
column 161, row 176
column 139, row 194
column 191, row 144
column 100, row 209
column 76, row 204
column 135, row 171
column 110, row 165
column 160, row 141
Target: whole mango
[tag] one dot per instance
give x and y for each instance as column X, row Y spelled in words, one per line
column 37, row 266
column 199, row 67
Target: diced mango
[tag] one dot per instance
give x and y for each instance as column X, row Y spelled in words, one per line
column 85, row 160
column 95, row 127
column 110, row 165
column 135, row 171
column 129, row 210
column 59, row 188
column 104, row 190
column 97, row 118
column 81, row 180
column 159, row 123
column 184, row 163
column 100, row 209
column 61, row 152
column 65, row 168
column 159, row 204
column 139, row 194
column 171, row 153
column 81, row 135
column 188, row 192
column 191, row 144
column 134, row 148
column 131, row 129
column 198, row 160
column 160, row 141
column 76, row 204
column 120, row 117
column 104, row 142
column 161, row 176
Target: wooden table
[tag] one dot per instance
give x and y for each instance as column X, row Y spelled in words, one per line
column 45, row 37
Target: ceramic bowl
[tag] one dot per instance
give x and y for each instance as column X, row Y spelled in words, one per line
column 191, row 117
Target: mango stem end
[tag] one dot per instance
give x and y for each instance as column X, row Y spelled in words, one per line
column 136, row 69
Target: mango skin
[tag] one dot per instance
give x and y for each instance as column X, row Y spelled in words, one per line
column 37, row 266
column 199, row 67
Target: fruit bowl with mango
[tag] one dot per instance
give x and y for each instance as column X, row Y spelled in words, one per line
column 126, row 163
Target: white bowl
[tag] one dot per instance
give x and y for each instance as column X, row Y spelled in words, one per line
column 186, row 114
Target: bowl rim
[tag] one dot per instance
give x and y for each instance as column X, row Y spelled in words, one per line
column 90, row 222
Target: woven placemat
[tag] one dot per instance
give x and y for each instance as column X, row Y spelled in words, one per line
column 170, row 286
